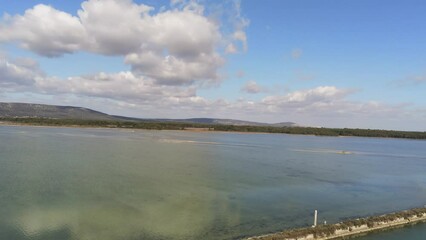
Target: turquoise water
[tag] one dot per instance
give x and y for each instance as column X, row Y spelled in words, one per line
column 64, row 183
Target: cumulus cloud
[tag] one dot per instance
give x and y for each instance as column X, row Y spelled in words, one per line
column 124, row 86
column 190, row 39
column 318, row 93
column 241, row 36
column 303, row 98
column 17, row 73
column 313, row 102
column 171, row 70
column 24, row 75
column 45, row 30
column 178, row 46
column 252, row 87
column 114, row 27
column 231, row 49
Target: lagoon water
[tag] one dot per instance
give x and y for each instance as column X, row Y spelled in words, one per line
column 416, row 232
column 110, row 184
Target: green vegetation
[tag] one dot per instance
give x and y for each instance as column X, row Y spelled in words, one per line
column 216, row 127
column 328, row 230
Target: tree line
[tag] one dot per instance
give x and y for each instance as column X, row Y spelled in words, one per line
column 170, row 125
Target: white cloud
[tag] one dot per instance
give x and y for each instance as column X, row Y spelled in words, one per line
column 45, row 30
column 252, row 87
column 236, row 41
column 241, row 23
column 189, row 40
column 17, row 73
column 24, row 75
column 175, row 47
column 175, row 2
column 123, row 86
column 191, row 5
column 241, row 36
column 231, row 49
column 115, row 27
column 322, row 94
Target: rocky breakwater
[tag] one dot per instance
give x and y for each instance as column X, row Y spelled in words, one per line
column 350, row 228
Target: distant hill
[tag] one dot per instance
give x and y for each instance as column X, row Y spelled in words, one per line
column 28, row 110
column 226, row 122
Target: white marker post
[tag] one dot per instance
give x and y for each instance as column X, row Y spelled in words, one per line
column 315, row 218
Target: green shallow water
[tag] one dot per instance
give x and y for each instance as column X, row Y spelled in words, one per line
column 81, row 184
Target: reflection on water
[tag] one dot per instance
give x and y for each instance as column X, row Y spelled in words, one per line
column 119, row 184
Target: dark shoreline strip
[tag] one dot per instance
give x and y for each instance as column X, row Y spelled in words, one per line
column 170, row 125
column 351, row 228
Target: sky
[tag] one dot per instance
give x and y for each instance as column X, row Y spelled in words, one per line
column 325, row 63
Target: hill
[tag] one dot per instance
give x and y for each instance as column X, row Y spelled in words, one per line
column 28, row 110
column 220, row 121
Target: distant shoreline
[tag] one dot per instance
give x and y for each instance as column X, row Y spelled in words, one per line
column 208, row 128
column 7, row 124
column 351, row 228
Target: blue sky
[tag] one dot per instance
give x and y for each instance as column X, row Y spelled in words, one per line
column 320, row 63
